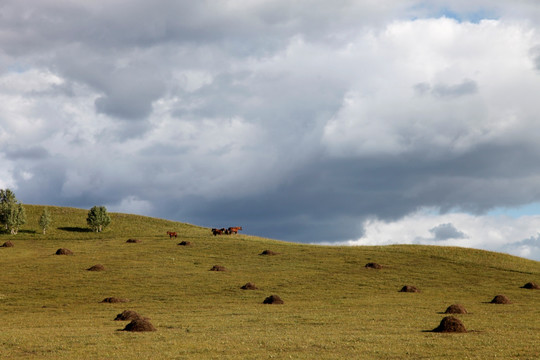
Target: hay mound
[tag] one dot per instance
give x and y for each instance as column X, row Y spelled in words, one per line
column 218, row 268
column 409, row 288
column 97, row 267
column 249, row 286
column 450, row 324
column 7, row 244
column 273, row 299
column 185, row 243
column 455, row 309
column 500, row 299
column 133, row 241
column 373, row 265
column 64, row 252
column 114, row 300
column 268, row 252
column 127, row 315
column 531, row 285
column 139, row 325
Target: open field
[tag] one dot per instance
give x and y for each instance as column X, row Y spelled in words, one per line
column 334, row 308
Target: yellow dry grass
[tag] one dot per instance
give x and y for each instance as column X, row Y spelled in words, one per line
column 334, row 307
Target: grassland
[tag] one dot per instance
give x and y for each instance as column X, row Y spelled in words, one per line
column 334, row 307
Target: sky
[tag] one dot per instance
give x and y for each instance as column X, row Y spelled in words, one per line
column 355, row 122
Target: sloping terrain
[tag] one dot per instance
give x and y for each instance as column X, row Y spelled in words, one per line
column 333, row 306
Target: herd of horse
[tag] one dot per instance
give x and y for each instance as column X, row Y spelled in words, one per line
column 228, row 231
column 222, row 231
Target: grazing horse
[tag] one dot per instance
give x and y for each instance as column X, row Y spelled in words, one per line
column 172, row 234
column 218, row 231
column 234, row 230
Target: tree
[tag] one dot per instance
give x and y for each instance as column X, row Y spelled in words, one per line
column 45, row 220
column 12, row 213
column 7, row 200
column 98, row 218
column 17, row 217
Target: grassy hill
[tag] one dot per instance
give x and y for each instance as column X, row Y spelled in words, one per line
column 334, row 307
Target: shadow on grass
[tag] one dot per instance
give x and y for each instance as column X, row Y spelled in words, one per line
column 75, row 229
column 452, row 332
column 445, row 313
column 27, row 231
column 6, row 232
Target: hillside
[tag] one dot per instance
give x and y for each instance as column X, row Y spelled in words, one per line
column 334, row 307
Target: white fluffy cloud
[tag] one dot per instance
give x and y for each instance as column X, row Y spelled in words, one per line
column 437, row 84
column 516, row 236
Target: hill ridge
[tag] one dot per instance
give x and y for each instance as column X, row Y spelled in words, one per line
column 332, row 304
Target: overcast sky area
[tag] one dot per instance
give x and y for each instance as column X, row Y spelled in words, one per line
column 337, row 122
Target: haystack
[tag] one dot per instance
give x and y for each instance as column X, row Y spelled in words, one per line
column 450, row 324
column 218, row 268
column 531, row 285
column 373, row 265
column 409, row 288
column 114, row 300
column 273, row 299
column 268, row 252
column 63, row 251
column 249, row 286
column 456, row 309
column 500, row 299
column 97, row 267
column 127, row 315
column 140, row 325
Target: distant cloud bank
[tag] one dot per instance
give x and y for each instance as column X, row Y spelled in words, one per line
column 515, row 236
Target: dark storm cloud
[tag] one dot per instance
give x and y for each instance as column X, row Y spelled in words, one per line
column 127, row 89
column 48, row 178
column 323, row 200
column 64, row 89
column 535, row 54
column 466, row 87
column 328, row 200
column 447, row 231
column 251, row 28
column 127, row 106
column 28, row 153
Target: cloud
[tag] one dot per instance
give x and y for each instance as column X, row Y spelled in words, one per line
column 527, row 248
column 446, row 231
column 296, row 120
column 381, row 116
column 36, row 152
column 133, row 205
column 535, row 55
column 516, row 236
column 6, row 177
column 466, row 87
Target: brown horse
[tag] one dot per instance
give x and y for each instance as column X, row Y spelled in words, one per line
column 234, row 229
column 172, row 234
column 219, row 231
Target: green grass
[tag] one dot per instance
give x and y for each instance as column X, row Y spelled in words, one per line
column 334, row 307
